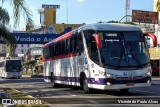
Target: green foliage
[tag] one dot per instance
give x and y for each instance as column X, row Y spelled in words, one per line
column 129, row 23
column 112, row 21
column 158, row 6
column 100, row 22
column 19, row 9
column 30, row 62
column 7, row 37
column 4, row 17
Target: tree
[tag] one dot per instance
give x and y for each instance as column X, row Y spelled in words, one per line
column 129, row 23
column 113, row 21
column 121, row 22
column 158, row 5
column 18, row 9
column 4, row 17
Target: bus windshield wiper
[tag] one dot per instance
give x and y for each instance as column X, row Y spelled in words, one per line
column 134, row 54
column 121, row 55
column 119, row 60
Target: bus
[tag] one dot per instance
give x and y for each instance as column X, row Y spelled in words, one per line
column 99, row 56
column 10, row 68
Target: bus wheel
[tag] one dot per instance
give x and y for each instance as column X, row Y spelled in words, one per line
column 124, row 90
column 86, row 89
column 19, row 77
column 54, row 85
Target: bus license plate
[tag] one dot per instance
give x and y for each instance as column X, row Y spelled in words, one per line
column 130, row 83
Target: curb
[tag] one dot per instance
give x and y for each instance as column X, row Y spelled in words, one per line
column 33, row 76
column 155, row 82
column 45, row 104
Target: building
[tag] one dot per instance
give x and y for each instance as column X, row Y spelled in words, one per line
column 157, row 26
column 22, row 49
column 36, row 51
column 60, row 27
column 48, row 20
column 48, row 25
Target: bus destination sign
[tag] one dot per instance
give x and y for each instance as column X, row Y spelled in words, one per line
column 144, row 16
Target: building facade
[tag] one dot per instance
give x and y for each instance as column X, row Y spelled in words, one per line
column 48, row 20
column 22, row 49
column 157, row 26
column 36, row 51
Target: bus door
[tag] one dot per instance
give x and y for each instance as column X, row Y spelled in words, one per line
column 155, row 64
column 79, row 49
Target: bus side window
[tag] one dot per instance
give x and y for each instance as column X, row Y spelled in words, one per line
column 58, row 48
column 51, row 50
column 63, row 47
column 88, row 36
column 46, row 52
column 71, row 45
column 79, row 43
column 55, row 49
column 94, row 52
column 66, row 46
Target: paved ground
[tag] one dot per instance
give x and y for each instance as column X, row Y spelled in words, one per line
column 156, row 80
column 73, row 96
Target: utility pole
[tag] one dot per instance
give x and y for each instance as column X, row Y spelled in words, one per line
column 67, row 11
column 127, row 10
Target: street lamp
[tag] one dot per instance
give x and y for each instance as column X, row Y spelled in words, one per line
column 67, row 11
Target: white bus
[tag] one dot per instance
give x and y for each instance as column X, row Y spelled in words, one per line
column 99, row 56
column 10, row 68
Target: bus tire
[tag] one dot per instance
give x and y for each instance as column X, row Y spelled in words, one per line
column 86, row 89
column 124, row 90
column 54, row 85
column 19, row 77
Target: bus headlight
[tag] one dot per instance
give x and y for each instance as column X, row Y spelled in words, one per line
column 102, row 72
column 148, row 74
column 108, row 75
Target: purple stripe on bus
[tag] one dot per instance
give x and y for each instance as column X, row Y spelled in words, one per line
column 101, row 81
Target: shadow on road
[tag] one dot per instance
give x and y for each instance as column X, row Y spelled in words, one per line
column 38, row 88
column 22, row 80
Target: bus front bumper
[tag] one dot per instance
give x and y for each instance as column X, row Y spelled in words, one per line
column 110, row 83
column 118, row 86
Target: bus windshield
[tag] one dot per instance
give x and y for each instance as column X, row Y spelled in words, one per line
column 123, row 49
column 13, row 65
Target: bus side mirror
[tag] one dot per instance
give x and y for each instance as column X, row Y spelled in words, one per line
column 154, row 38
column 98, row 41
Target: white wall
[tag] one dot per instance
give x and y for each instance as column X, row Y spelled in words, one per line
column 22, row 48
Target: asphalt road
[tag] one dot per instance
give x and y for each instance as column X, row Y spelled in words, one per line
column 71, row 96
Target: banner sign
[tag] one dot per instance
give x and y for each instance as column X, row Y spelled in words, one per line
column 29, row 38
column 144, row 16
column 26, row 38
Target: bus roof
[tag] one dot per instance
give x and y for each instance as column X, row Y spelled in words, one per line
column 110, row 27
column 98, row 26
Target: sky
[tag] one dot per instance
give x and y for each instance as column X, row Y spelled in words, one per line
column 82, row 11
